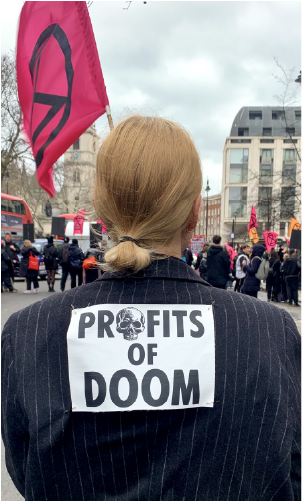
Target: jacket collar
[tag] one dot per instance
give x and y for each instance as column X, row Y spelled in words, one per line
column 167, row 268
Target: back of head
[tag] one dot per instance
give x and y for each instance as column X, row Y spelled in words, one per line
column 144, row 188
column 66, row 240
column 75, row 242
column 27, row 243
column 274, row 255
column 205, row 249
column 291, row 252
column 50, row 240
column 217, row 239
column 258, row 250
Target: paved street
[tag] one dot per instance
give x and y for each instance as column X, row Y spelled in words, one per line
column 14, row 302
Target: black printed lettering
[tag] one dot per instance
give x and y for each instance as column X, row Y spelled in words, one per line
column 84, row 325
column 146, row 388
column 196, row 322
column 133, row 388
column 180, row 314
column 141, row 354
column 179, row 385
column 151, row 322
column 166, row 318
column 105, row 325
column 151, row 353
column 99, row 379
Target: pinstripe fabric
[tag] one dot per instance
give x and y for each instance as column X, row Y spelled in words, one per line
column 247, row 447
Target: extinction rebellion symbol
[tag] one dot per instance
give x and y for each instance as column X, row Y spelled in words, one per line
column 56, row 102
column 271, row 239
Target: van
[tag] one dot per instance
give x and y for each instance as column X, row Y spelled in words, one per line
column 84, row 237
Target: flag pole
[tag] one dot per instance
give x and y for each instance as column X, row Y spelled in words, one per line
column 110, row 121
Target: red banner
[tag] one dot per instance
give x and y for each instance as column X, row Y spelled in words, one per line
column 60, row 82
column 232, row 253
column 270, row 239
column 253, row 219
column 79, row 222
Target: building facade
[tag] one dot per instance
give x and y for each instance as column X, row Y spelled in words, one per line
column 261, row 167
column 214, row 216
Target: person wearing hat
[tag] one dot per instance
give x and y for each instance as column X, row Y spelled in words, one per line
column 11, row 249
column 6, row 284
column 149, row 383
column 291, row 269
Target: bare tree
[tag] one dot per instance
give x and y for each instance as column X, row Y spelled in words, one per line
column 14, row 146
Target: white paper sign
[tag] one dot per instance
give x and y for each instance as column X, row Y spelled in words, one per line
column 141, row 357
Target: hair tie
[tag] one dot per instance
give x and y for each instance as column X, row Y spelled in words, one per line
column 126, row 238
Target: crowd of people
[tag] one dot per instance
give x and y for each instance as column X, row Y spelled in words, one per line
column 281, row 277
column 74, row 263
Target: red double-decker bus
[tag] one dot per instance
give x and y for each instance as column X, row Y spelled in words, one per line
column 14, row 212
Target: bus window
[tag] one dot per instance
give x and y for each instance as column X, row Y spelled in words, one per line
column 18, row 207
column 4, row 204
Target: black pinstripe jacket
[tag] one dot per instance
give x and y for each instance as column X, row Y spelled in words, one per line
column 246, row 447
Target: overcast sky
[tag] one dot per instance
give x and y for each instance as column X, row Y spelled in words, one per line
column 196, row 63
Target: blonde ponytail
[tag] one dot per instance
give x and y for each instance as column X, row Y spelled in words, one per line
column 148, row 175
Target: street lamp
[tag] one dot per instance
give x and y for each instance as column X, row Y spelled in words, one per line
column 207, row 189
column 299, row 79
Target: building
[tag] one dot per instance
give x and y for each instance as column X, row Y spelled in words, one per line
column 214, row 216
column 261, row 167
column 79, row 173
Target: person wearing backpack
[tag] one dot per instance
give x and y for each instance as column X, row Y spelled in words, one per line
column 273, row 280
column 251, row 284
column 76, row 258
column 240, row 275
column 64, row 261
column 50, row 255
column 92, row 258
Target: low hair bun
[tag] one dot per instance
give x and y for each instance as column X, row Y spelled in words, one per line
column 127, row 255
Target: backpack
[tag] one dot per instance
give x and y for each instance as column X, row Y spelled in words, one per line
column 65, row 254
column 263, row 269
column 271, row 271
column 48, row 258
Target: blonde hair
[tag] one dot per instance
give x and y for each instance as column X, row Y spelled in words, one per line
column 148, row 176
column 285, row 256
column 27, row 243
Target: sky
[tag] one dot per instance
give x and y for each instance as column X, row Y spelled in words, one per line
column 194, row 62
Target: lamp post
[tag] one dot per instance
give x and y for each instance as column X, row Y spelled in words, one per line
column 207, row 189
column 234, row 227
column 299, row 79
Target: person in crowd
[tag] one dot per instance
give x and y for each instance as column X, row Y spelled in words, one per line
column 291, row 269
column 50, row 255
column 282, row 278
column 11, row 249
column 218, row 264
column 6, row 284
column 273, row 280
column 92, row 258
column 30, row 275
column 187, row 256
column 76, row 258
column 251, row 284
column 64, row 262
column 224, row 427
column 203, row 264
column 243, row 255
column 281, row 252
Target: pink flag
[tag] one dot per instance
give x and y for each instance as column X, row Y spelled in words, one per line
column 270, row 239
column 253, row 220
column 79, row 222
column 104, row 228
column 60, row 82
column 232, row 254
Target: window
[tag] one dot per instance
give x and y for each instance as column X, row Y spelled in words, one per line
column 241, row 140
column 287, row 203
column 290, row 131
column 291, row 141
column 76, row 145
column 239, row 165
column 237, row 201
column 12, row 206
column 267, row 141
column 289, row 166
column 282, row 228
column 76, row 176
column 255, row 115
column 278, row 115
column 298, row 114
column 265, row 202
column 243, row 131
column 266, row 131
column 266, row 165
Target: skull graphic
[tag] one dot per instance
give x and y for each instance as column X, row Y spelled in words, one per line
column 130, row 322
